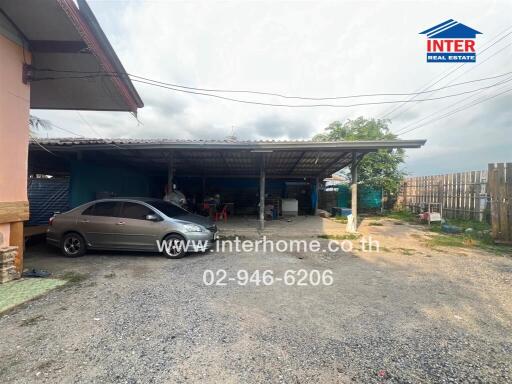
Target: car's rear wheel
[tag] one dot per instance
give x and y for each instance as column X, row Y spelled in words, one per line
column 73, row 245
column 174, row 247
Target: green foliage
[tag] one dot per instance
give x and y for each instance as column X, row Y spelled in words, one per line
column 403, row 215
column 463, row 225
column 346, row 236
column 379, row 169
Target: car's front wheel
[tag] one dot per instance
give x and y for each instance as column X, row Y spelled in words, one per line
column 174, row 247
column 73, row 245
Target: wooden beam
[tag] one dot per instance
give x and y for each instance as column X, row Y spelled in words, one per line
column 13, row 211
column 58, row 46
column 16, row 239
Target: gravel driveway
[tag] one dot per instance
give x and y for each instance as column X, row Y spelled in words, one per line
column 433, row 316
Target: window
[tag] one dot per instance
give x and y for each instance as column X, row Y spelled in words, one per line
column 105, row 208
column 168, row 209
column 135, row 211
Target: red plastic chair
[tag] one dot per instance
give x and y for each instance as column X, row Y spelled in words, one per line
column 222, row 215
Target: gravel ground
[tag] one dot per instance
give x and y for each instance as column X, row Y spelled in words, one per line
column 433, row 317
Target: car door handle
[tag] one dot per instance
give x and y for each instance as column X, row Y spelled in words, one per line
column 120, row 223
column 84, row 221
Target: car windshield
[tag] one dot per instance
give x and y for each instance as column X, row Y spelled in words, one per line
column 168, row 209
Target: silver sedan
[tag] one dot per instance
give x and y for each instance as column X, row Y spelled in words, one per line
column 131, row 224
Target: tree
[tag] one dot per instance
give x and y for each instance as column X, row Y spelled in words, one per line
column 377, row 169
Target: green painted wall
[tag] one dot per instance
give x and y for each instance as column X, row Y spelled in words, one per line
column 89, row 178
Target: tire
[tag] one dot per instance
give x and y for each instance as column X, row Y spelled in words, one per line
column 173, row 252
column 73, row 245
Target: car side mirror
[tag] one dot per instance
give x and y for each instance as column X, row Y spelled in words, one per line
column 152, row 218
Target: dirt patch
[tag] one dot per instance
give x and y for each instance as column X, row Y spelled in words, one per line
column 32, row 321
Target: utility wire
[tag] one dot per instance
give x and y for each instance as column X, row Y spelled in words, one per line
column 112, row 74
column 449, row 106
column 96, row 132
column 457, row 111
column 65, row 130
column 446, row 74
column 163, row 85
column 316, row 105
column 436, row 113
column 462, row 74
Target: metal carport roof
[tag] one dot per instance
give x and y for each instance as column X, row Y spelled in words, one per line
column 212, row 158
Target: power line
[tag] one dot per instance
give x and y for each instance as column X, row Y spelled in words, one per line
column 64, row 129
column 450, row 71
column 113, row 74
column 163, row 85
column 435, row 113
column 317, row 105
column 462, row 74
column 41, row 145
column 456, row 111
column 96, row 132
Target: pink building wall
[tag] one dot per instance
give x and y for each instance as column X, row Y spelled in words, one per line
column 14, row 115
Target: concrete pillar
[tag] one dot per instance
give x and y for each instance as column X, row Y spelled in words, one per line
column 353, row 188
column 262, row 194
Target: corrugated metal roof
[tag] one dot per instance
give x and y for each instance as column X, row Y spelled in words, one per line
column 66, row 141
column 282, row 158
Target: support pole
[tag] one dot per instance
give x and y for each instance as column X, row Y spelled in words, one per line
column 262, row 193
column 317, row 191
column 353, row 188
column 170, row 172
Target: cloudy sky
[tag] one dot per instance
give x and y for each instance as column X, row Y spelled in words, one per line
column 314, row 49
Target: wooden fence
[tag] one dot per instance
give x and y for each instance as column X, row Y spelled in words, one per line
column 458, row 195
column 476, row 195
column 500, row 197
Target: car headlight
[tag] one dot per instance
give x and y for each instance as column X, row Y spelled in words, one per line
column 193, row 228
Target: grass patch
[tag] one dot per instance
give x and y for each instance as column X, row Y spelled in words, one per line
column 473, row 240
column 340, row 219
column 406, row 251
column 375, row 224
column 20, row 291
column 403, row 216
column 385, row 249
column 346, row 236
column 477, row 226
